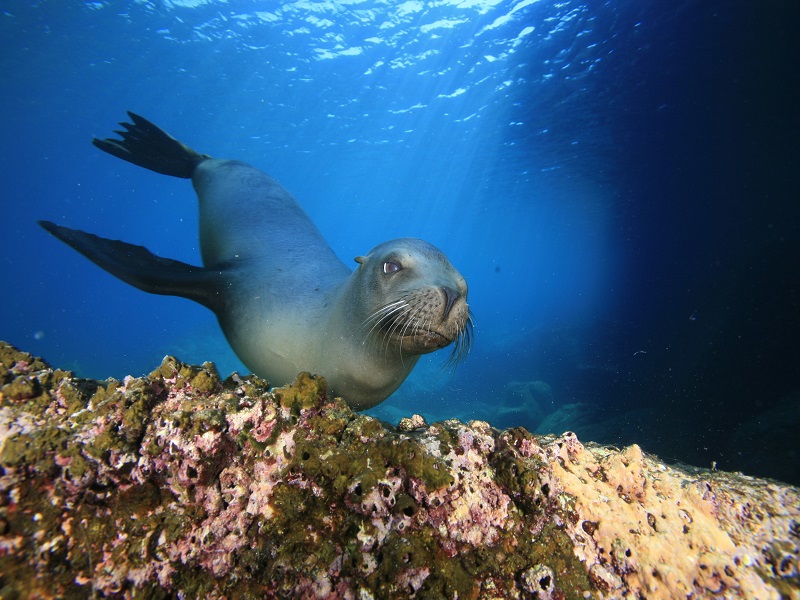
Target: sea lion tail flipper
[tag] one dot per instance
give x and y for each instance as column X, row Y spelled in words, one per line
column 141, row 268
column 149, row 146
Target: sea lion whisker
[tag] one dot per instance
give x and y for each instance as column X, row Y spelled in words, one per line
column 463, row 344
column 423, row 326
column 384, row 310
column 410, row 322
column 398, row 321
column 392, row 317
column 383, row 319
column 413, row 322
column 464, row 340
column 399, row 326
column 387, row 314
column 416, row 324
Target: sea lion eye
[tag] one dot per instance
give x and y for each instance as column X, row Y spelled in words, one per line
column 390, row 267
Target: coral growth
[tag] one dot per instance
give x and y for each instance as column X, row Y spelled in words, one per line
column 182, row 485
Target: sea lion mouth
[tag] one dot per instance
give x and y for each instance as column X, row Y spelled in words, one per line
column 417, row 324
column 422, row 342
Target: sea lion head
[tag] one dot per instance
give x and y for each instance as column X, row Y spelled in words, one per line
column 414, row 300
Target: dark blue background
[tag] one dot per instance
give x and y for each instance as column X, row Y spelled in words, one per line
column 617, row 181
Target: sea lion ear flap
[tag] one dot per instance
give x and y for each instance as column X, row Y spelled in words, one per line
column 360, row 259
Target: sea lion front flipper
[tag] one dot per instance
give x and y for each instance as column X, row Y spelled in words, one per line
column 147, row 145
column 141, row 268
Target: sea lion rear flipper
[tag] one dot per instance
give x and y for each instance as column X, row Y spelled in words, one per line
column 141, row 268
column 146, row 145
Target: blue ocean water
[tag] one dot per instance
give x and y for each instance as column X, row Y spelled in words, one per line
column 616, row 180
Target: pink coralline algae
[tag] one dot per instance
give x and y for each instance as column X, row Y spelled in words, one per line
column 181, row 485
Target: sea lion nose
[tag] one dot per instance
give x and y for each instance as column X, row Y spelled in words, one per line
column 450, row 296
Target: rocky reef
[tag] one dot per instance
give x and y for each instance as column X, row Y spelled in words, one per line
column 180, row 484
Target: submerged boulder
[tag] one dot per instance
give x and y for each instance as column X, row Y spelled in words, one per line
column 180, row 484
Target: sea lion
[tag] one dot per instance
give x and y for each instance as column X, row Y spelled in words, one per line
column 285, row 302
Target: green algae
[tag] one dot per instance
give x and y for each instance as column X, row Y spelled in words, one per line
column 307, row 391
column 250, row 386
column 520, row 476
column 201, row 380
column 76, row 396
column 206, row 380
column 11, row 356
column 346, row 462
column 136, row 409
column 34, row 451
column 22, row 388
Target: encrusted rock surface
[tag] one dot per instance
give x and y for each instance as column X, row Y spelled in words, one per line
column 182, row 485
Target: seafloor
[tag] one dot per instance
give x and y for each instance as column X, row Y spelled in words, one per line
column 179, row 484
